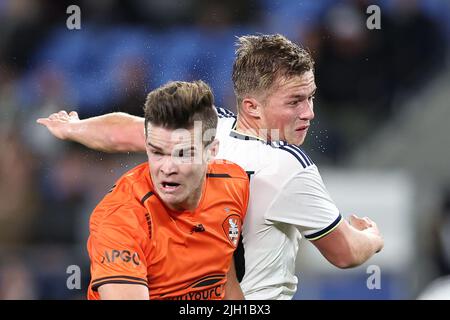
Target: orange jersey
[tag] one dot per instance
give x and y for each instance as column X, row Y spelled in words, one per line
column 135, row 239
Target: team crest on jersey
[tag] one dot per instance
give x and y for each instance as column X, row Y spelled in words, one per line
column 232, row 228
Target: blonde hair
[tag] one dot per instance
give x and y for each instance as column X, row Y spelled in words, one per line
column 262, row 59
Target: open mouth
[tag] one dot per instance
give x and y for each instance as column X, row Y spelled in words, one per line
column 170, row 186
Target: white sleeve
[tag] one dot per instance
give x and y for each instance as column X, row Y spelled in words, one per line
column 224, row 113
column 303, row 201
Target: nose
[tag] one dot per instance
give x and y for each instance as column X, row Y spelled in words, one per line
column 168, row 166
column 307, row 112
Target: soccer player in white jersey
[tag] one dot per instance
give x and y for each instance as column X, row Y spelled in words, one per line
column 274, row 85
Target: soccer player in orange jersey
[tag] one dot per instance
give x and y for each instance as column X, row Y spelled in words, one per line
column 169, row 227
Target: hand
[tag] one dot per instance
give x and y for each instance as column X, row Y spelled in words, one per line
column 59, row 123
column 360, row 223
column 367, row 225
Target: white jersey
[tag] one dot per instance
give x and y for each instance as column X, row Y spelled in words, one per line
column 288, row 200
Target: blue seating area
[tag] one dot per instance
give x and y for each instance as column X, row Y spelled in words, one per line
column 91, row 61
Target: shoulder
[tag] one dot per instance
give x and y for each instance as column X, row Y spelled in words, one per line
column 281, row 162
column 122, row 205
column 229, row 182
column 133, row 185
column 137, row 174
column 225, row 169
column 224, row 113
column 292, row 154
column 226, row 119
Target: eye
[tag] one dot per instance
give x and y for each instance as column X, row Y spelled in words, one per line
column 156, row 153
column 183, row 153
column 293, row 103
column 311, row 98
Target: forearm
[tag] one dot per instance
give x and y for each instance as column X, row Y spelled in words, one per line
column 113, row 291
column 233, row 289
column 363, row 245
column 347, row 246
column 113, row 132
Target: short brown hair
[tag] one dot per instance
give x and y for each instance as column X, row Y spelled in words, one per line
column 178, row 104
column 261, row 59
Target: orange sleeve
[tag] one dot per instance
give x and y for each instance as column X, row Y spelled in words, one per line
column 117, row 247
column 245, row 199
column 243, row 185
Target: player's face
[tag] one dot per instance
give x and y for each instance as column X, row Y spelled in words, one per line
column 289, row 107
column 177, row 166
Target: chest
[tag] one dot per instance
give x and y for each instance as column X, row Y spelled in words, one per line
column 187, row 248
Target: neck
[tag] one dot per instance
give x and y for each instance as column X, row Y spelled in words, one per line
column 194, row 201
column 250, row 127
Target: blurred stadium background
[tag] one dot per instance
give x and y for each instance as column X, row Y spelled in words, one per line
column 380, row 135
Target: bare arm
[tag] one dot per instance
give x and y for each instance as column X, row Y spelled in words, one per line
column 351, row 244
column 233, row 290
column 112, row 132
column 116, row 291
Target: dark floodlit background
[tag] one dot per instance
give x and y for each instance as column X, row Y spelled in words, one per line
column 380, row 137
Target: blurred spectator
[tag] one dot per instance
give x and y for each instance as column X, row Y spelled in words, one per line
column 415, row 44
column 24, row 24
column 132, row 84
column 64, row 192
column 8, row 94
column 18, row 195
column 16, row 281
column 353, row 84
column 441, row 235
column 360, row 71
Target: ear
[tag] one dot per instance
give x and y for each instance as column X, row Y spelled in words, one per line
column 212, row 150
column 251, row 107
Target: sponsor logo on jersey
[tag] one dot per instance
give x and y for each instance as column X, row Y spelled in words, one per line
column 232, row 228
column 214, row 292
column 121, row 255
